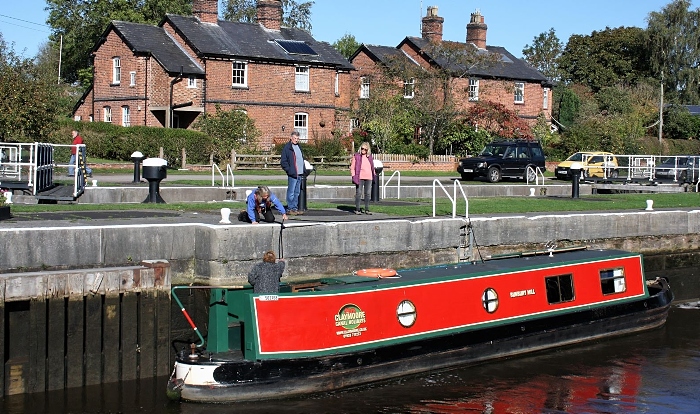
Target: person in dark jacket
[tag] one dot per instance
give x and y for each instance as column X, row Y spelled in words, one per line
column 259, row 207
column 265, row 276
column 292, row 162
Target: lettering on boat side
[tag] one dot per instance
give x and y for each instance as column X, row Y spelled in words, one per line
column 519, row 293
column 350, row 317
column 268, row 297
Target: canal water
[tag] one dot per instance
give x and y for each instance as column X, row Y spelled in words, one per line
column 651, row 372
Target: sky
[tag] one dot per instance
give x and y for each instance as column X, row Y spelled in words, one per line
column 512, row 24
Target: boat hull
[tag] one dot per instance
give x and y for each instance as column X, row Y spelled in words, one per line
column 241, row 380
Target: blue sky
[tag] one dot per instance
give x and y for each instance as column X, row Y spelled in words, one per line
column 511, row 23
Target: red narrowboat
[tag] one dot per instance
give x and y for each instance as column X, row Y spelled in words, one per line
column 351, row 330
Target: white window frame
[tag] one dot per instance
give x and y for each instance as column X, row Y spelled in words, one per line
column 336, row 86
column 191, row 82
column 364, row 87
column 473, row 89
column 301, row 78
column 354, row 124
column 132, row 78
column 239, row 74
column 107, row 115
column 545, row 98
column 301, row 125
column 409, row 88
column 126, row 116
column 519, row 92
column 116, row 70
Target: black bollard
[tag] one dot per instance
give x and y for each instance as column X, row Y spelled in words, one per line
column 378, row 168
column 154, row 170
column 137, row 157
column 302, row 193
column 575, row 174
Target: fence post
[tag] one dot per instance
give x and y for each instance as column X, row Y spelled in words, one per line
column 160, row 153
column 233, row 159
column 184, row 158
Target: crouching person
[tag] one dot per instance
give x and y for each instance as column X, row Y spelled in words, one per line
column 259, row 207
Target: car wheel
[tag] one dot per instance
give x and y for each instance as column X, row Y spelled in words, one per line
column 530, row 174
column 467, row 177
column 494, row 174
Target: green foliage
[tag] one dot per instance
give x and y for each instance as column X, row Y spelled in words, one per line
column 606, row 58
column 569, row 104
column 294, row 13
column 326, row 146
column 30, row 98
column 680, row 124
column 672, row 37
column 229, row 130
column 463, row 139
column 80, row 23
column 346, row 45
column 544, row 54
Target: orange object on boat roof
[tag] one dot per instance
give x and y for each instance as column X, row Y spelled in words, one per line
column 376, row 272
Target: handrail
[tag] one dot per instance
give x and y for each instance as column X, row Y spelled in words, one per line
column 224, row 179
column 398, row 184
column 453, row 198
column 538, row 172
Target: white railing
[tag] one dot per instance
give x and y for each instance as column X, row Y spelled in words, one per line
column 225, row 179
column 453, row 197
column 398, row 184
column 78, row 185
column 538, row 173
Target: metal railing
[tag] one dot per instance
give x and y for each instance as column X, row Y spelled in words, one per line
column 398, row 184
column 225, row 179
column 453, row 198
column 537, row 171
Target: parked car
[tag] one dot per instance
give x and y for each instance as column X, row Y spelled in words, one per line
column 504, row 158
column 593, row 164
column 683, row 168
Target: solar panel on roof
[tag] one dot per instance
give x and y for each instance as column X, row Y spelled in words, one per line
column 295, row 47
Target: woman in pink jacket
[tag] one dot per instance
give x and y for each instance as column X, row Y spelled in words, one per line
column 362, row 171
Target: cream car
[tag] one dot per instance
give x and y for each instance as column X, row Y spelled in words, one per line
column 593, row 164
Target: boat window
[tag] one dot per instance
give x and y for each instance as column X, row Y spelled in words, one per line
column 613, row 280
column 559, row 288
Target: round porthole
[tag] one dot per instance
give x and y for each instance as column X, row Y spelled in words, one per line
column 406, row 313
column 490, row 300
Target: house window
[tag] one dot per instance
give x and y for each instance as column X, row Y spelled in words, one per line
column 132, row 79
column 354, row 124
column 409, row 88
column 337, row 84
column 364, row 88
column 191, row 82
column 116, row 71
column 545, row 98
column 126, row 117
column 107, row 114
column 519, row 95
column 239, row 75
column 559, row 289
column 301, row 126
column 473, row 90
column 612, row 281
column 301, row 78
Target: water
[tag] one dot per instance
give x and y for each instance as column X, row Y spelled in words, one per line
column 652, row 372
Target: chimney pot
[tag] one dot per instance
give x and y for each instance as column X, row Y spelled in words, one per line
column 206, row 10
column 476, row 30
column 431, row 25
column 269, row 14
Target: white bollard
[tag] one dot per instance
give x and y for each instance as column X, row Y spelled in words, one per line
column 94, row 183
column 650, row 204
column 532, row 192
column 225, row 215
column 8, row 197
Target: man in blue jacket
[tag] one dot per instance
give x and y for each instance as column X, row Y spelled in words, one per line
column 292, row 163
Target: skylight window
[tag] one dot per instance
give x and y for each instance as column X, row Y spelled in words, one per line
column 295, row 47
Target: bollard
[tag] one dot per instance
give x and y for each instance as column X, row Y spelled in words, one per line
column 650, row 205
column 94, row 183
column 532, row 192
column 575, row 174
column 225, row 216
column 154, row 170
column 137, row 157
column 8, row 197
column 308, row 168
column 378, row 168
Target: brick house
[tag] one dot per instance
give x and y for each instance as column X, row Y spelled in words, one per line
column 169, row 75
column 509, row 81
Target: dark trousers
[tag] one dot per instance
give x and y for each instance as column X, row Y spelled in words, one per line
column 267, row 217
column 364, row 186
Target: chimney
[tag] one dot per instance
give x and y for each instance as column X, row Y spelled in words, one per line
column 269, row 14
column 431, row 27
column 206, row 10
column 476, row 30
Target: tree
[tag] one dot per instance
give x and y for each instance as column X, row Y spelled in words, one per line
column 544, row 54
column 294, row 13
column 674, row 51
column 605, row 58
column 346, row 45
column 80, row 23
column 229, row 130
column 498, row 120
column 30, row 97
